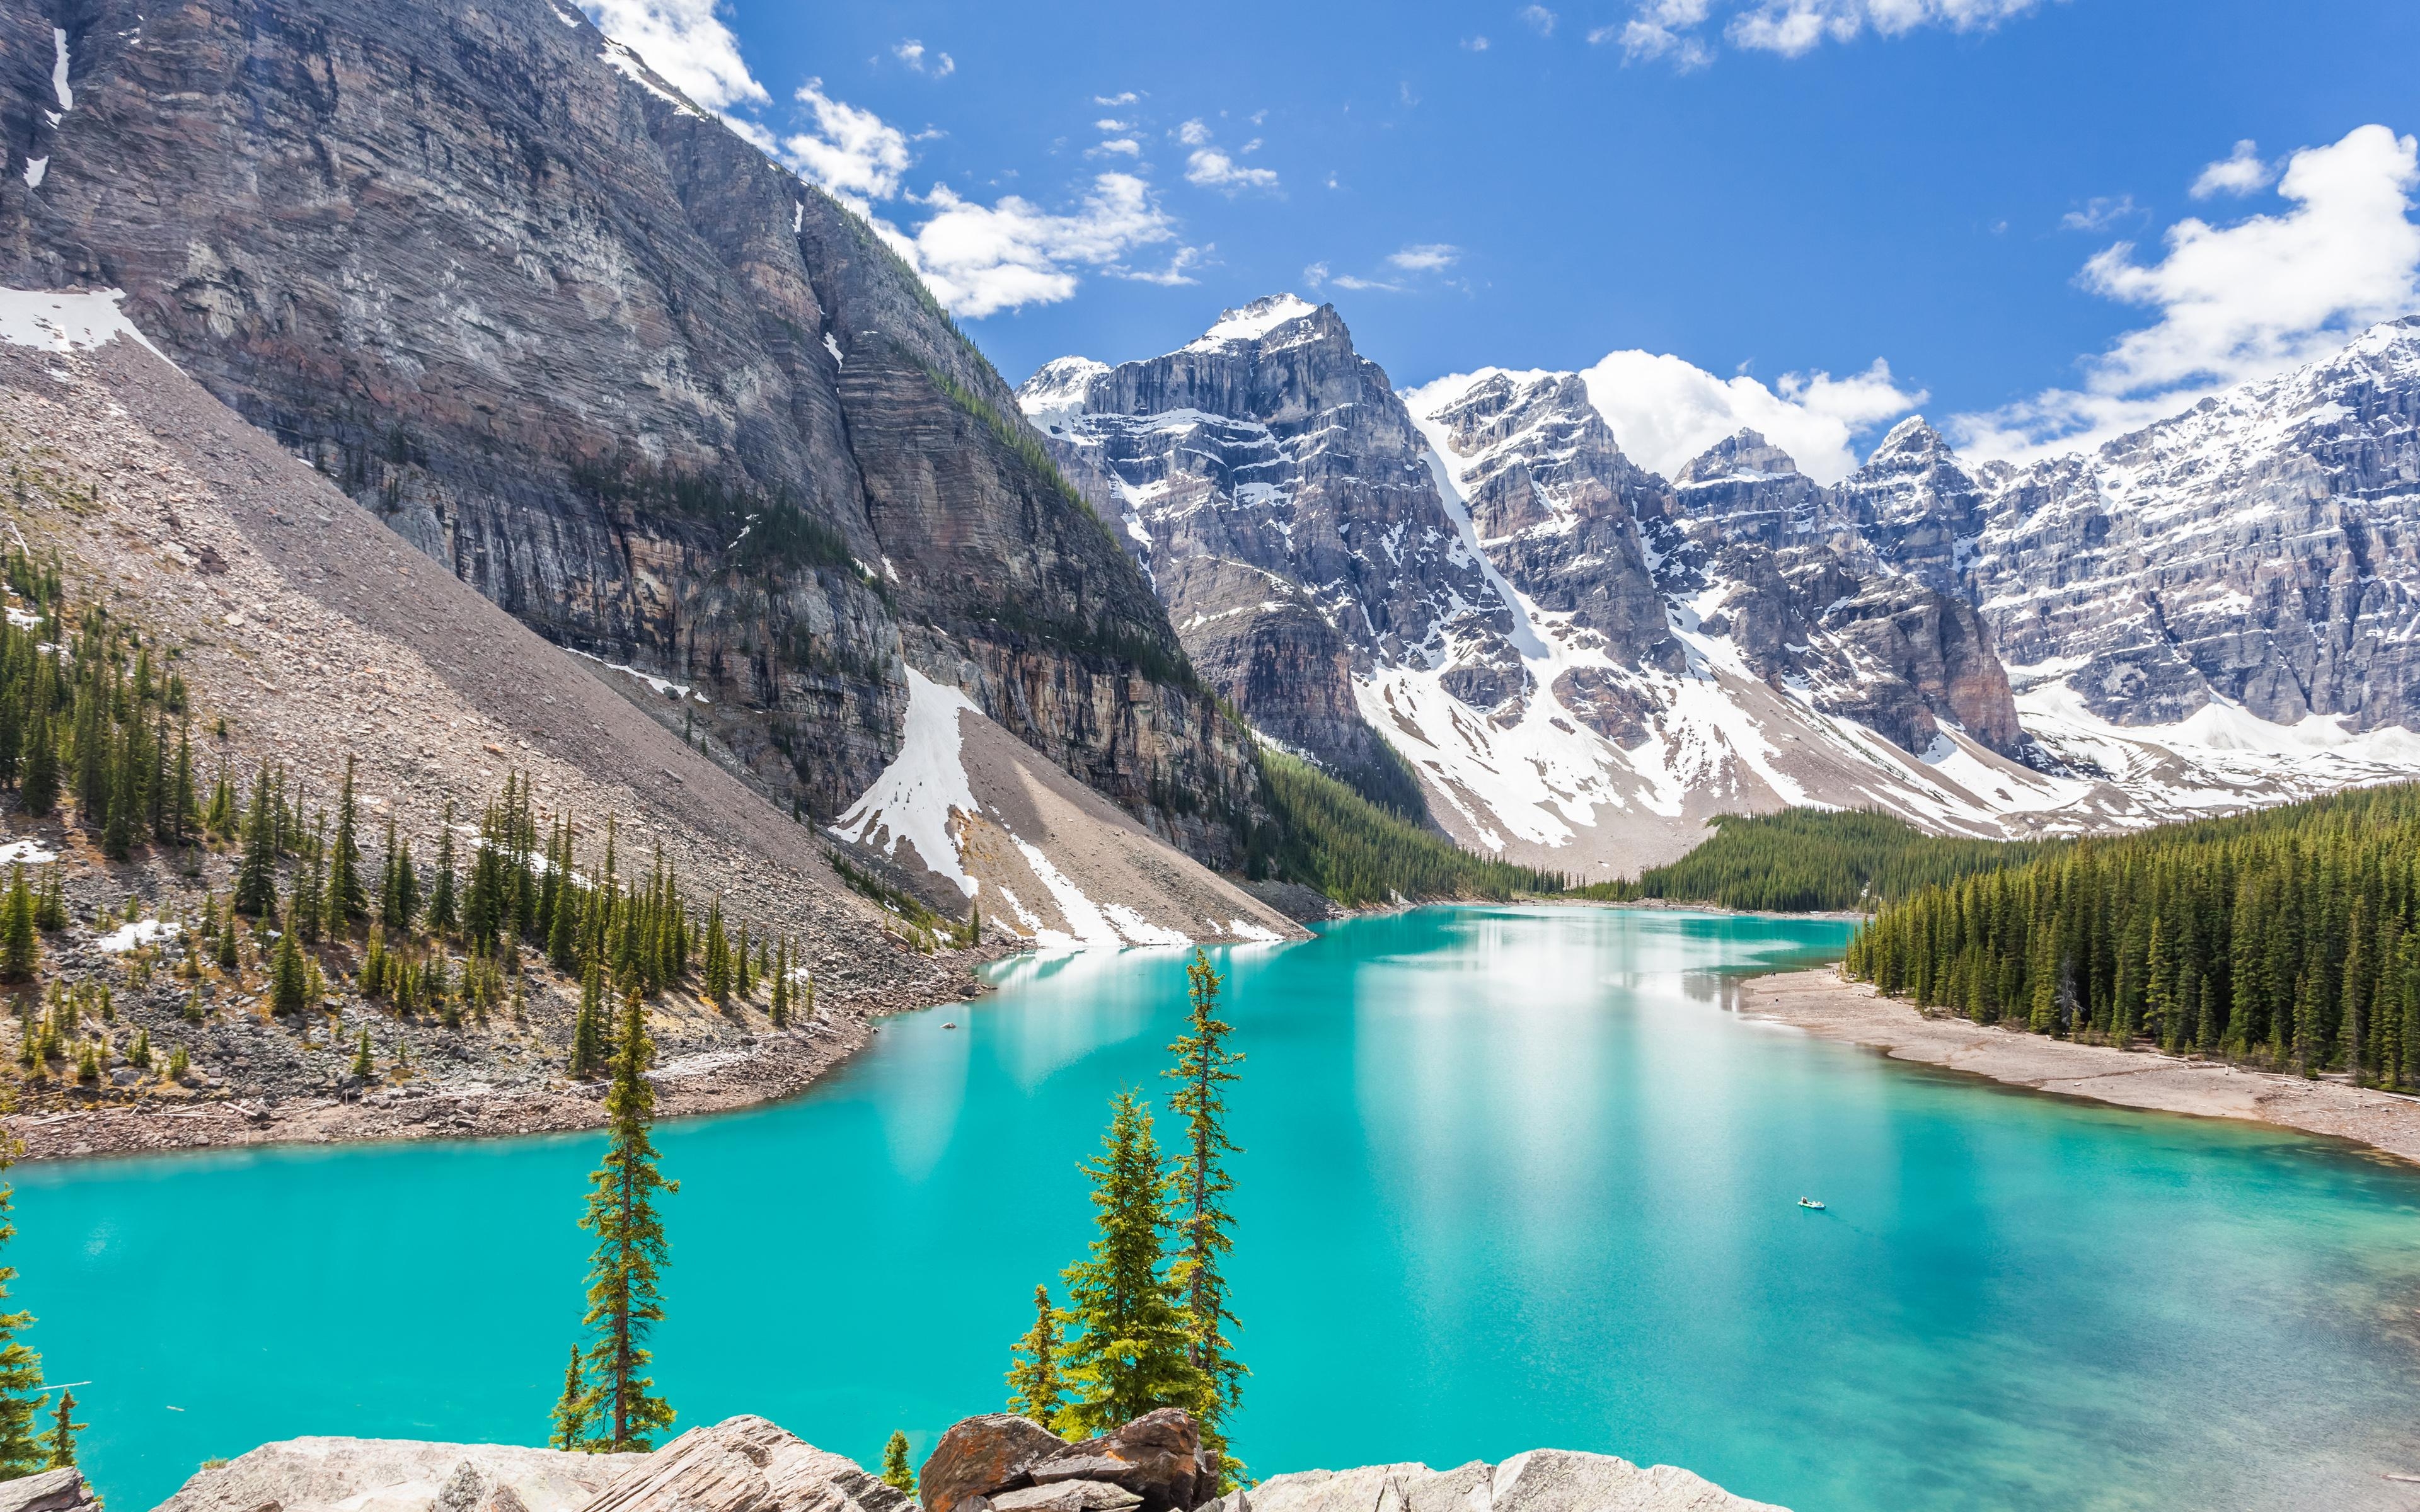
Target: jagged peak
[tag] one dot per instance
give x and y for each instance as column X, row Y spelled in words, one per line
column 1058, row 389
column 1254, row 321
column 1912, row 436
column 1744, row 453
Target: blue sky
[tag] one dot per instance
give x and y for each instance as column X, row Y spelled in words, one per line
column 1777, row 189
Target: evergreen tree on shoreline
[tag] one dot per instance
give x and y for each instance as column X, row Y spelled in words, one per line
column 625, row 1301
column 20, row 1369
column 1133, row 1353
column 59, row 1451
column 897, row 1472
column 571, row 1415
column 1033, row 1384
column 1205, row 1225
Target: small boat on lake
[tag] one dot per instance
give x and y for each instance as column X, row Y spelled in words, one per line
column 1810, row 1202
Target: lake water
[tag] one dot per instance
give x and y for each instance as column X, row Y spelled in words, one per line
column 1514, row 1177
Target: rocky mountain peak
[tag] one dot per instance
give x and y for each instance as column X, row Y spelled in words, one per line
column 1259, row 320
column 1056, row 392
column 1744, row 456
column 1910, row 444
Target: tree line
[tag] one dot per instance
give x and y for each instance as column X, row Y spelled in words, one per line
column 1803, row 861
column 1328, row 837
column 2282, row 939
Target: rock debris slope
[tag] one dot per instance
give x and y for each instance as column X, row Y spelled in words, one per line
column 1580, row 661
column 590, row 352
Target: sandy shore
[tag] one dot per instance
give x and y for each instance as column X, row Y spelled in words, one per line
column 1822, row 1003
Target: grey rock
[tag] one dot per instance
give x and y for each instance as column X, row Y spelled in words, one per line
column 1541, row 1480
column 49, row 1490
column 746, row 1464
column 1158, row 1457
column 1068, row 1496
column 322, row 1475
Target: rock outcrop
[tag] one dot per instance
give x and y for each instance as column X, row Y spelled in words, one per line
column 49, row 1490
column 338, row 1475
column 747, row 1464
column 1541, row 1480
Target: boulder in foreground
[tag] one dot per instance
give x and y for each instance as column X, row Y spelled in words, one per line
column 985, row 1455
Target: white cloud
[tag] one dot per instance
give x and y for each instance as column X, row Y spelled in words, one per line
column 1366, row 285
column 1474, row 44
column 1124, row 96
column 1663, row 410
column 1116, row 146
column 2239, row 173
column 1213, row 169
column 982, row 259
column 1539, row 20
column 1314, row 274
column 1193, row 133
column 1661, row 29
column 1426, row 257
column 852, row 152
column 911, row 52
column 2238, row 303
column 1669, row 29
column 684, row 41
column 2100, row 213
column 1110, row 123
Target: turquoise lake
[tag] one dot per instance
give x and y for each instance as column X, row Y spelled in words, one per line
column 1513, row 1177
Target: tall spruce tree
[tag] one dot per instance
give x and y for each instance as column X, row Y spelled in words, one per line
column 444, row 912
column 1133, row 1352
column 1033, row 1384
column 20, row 1369
column 59, row 1445
column 625, row 1299
column 348, row 899
column 255, row 877
column 20, row 951
column 1206, row 1225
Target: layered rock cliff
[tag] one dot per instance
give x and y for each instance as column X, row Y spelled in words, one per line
column 580, row 344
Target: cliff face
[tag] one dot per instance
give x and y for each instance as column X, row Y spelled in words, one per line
column 578, row 342
column 1275, row 485
column 2258, row 548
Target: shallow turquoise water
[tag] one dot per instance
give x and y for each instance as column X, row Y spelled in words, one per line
column 1514, row 1177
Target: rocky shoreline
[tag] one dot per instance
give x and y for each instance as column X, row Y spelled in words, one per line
column 992, row 1463
column 1822, row 1003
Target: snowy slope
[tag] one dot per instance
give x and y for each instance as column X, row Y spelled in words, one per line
column 1040, row 855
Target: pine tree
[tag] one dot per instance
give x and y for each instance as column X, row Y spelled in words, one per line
column 587, row 1037
column 256, row 878
column 287, row 987
column 1034, row 1386
column 346, row 900
column 39, row 788
column 20, row 951
column 1134, row 1351
column 896, row 1473
column 1204, row 1224
column 780, row 1007
column 60, row 1444
column 442, row 913
column 20, row 1369
column 623, row 1301
column 570, row 1416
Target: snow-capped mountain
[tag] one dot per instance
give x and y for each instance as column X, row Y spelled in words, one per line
column 1581, row 660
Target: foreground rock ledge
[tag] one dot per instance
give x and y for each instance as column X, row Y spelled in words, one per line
column 747, row 1464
